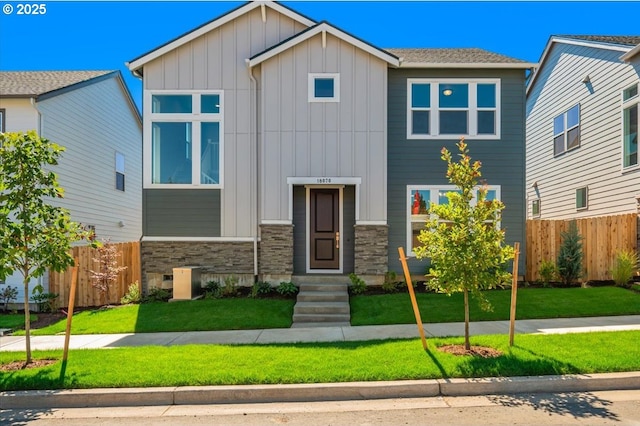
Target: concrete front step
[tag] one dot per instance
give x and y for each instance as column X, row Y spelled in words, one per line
column 306, row 287
column 321, row 308
column 320, row 324
column 320, row 279
column 301, row 319
column 323, row 296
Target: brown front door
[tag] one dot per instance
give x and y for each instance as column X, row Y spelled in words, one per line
column 324, row 232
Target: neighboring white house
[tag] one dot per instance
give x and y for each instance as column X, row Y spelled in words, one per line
column 582, row 128
column 91, row 114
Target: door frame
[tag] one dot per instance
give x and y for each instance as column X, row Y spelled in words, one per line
column 308, row 189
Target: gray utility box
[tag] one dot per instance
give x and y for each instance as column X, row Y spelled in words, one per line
column 186, row 283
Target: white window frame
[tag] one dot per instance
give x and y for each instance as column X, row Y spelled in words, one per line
column 434, row 195
column 336, row 87
column 472, row 108
column 626, row 104
column 195, row 118
column 533, row 209
column 120, row 170
column 566, row 130
column 586, row 198
column 3, row 116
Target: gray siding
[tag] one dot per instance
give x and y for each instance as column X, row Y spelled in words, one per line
column 181, row 212
column 335, row 139
column 597, row 163
column 216, row 60
column 418, row 162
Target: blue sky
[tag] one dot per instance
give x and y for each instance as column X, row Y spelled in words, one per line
column 74, row 35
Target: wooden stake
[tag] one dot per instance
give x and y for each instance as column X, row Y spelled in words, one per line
column 514, row 293
column 72, row 299
column 414, row 302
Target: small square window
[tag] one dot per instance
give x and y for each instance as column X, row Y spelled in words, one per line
column 535, row 208
column 171, row 104
column 119, row 171
column 581, row 198
column 324, row 88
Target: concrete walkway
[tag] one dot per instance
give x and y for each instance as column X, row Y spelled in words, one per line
column 322, row 334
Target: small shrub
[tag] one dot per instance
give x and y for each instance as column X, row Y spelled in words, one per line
column 624, row 266
column 548, row 272
column 212, row 290
column 230, row 288
column 260, row 288
column 358, row 286
column 132, row 295
column 570, row 255
column 287, row 288
column 157, row 294
column 390, row 284
column 45, row 301
column 7, row 295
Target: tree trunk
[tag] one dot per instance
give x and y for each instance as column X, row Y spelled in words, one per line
column 27, row 316
column 467, row 344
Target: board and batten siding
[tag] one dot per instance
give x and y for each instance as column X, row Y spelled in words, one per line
column 418, row 162
column 216, row 61
column 597, row 162
column 93, row 123
column 323, row 139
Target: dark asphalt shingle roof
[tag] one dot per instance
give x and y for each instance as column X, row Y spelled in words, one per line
column 613, row 39
column 35, row 83
column 452, row 56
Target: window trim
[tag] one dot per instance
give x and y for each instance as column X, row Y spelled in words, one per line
column 3, row 118
column 626, row 104
column 336, row 87
column 533, row 210
column 120, row 172
column 434, row 195
column 472, row 109
column 195, row 117
column 566, row 130
column 586, row 198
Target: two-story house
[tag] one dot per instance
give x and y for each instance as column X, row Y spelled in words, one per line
column 278, row 147
column 92, row 115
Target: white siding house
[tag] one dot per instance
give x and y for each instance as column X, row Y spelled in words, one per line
column 582, row 128
column 92, row 115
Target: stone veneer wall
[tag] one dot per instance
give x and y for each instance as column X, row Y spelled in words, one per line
column 276, row 250
column 225, row 258
column 371, row 249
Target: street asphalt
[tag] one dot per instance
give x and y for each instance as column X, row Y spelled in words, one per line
column 318, row 391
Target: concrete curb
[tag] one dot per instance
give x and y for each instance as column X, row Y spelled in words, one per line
column 77, row 398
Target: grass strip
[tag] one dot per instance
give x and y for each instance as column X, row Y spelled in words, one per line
column 532, row 303
column 197, row 365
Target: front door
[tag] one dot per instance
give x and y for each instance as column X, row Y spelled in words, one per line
column 324, row 228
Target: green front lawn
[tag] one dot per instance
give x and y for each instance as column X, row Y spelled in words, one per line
column 197, row 365
column 14, row 321
column 532, row 303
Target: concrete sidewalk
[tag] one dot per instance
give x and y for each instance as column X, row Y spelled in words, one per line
column 322, row 334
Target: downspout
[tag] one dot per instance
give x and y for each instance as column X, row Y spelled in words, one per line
column 254, row 133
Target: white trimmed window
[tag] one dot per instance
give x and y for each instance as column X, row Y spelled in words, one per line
column 451, row 108
column 420, row 197
column 566, row 130
column 2, row 113
column 630, row 117
column 120, row 171
column 535, row 207
column 324, row 87
column 183, row 139
column 582, row 198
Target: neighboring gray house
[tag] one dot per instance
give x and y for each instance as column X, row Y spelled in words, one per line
column 582, row 128
column 92, row 115
column 276, row 147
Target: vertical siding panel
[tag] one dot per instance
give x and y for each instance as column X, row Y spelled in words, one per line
column 214, row 61
column 185, row 67
column 200, row 58
column 170, row 65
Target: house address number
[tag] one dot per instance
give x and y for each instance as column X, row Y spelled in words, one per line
column 323, row 180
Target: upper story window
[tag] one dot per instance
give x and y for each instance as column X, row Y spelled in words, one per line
column 420, row 197
column 447, row 108
column 2, row 113
column 324, row 87
column 566, row 130
column 630, row 115
column 183, row 139
column 120, row 171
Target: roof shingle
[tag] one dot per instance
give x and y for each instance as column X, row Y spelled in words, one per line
column 613, row 39
column 452, row 56
column 35, row 83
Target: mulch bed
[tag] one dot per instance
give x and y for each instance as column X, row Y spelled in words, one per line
column 20, row 365
column 481, row 351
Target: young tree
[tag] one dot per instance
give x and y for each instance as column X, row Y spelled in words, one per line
column 108, row 270
column 463, row 240
column 570, row 255
column 34, row 235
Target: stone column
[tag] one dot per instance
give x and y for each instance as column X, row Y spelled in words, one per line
column 276, row 253
column 371, row 252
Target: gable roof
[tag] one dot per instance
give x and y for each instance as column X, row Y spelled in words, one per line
column 620, row 43
column 135, row 65
column 456, row 58
column 34, row 84
column 323, row 27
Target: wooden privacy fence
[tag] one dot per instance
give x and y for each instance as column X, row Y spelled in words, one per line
column 602, row 238
column 86, row 295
